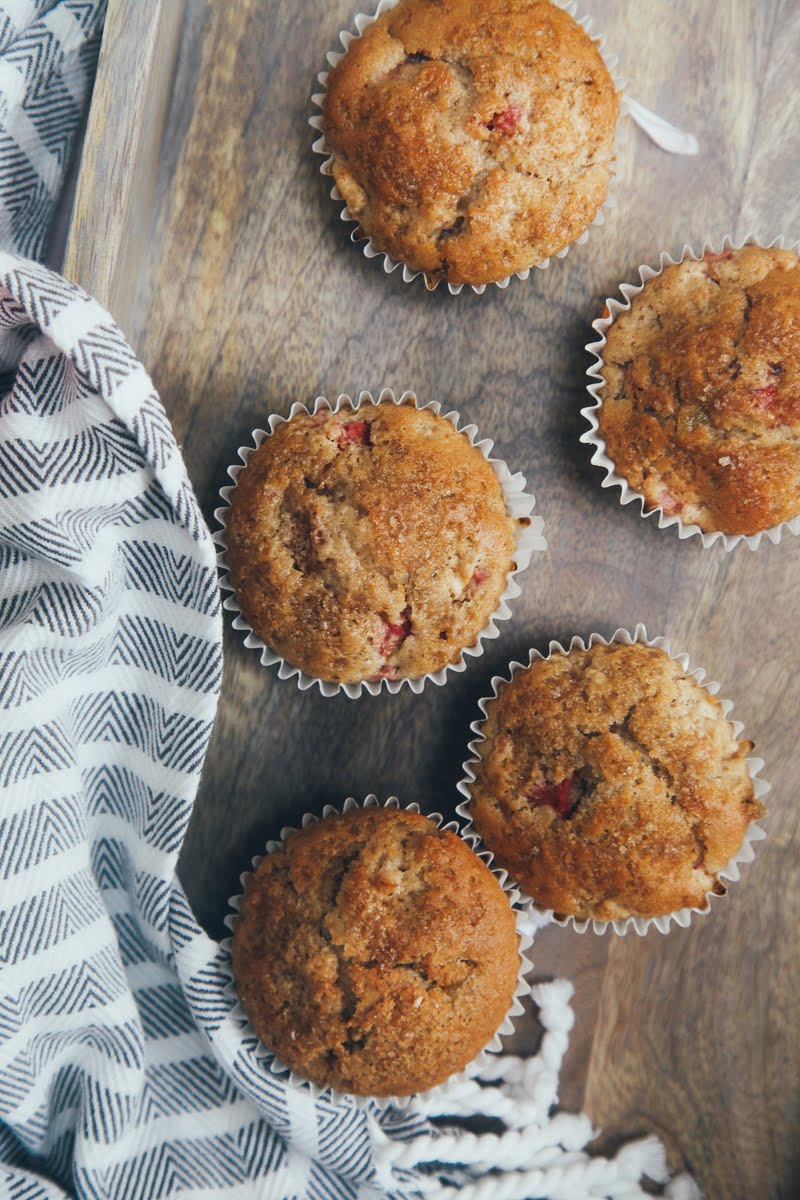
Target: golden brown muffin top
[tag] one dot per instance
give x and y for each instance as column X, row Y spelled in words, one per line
column 369, row 544
column 610, row 785
column 472, row 138
column 375, row 953
column 701, row 407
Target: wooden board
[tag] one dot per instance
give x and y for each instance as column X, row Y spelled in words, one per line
column 202, row 222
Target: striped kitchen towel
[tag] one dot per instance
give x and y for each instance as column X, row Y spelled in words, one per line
column 48, row 54
column 124, row 1073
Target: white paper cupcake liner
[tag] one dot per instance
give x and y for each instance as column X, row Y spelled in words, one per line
column 673, row 140
column 730, row 871
column 520, row 504
column 456, row 1085
column 595, row 388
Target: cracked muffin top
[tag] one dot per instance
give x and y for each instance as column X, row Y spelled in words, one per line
column 373, row 543
column 701, row 404
column 610, row 785
column 375, row 953
column 472, row 138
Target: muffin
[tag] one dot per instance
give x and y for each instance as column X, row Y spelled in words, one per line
column 472, row 138
column 369, row 543
column 701, row 406
column 610, row 784
column 375, row 953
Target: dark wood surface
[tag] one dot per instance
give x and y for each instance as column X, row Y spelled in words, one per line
column 219, row 250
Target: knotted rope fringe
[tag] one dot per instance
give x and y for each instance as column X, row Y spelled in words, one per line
column 537, row 1155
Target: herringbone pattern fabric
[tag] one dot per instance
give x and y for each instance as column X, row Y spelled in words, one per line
column 48, row 53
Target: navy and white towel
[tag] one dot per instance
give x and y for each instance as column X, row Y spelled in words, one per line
column 48, row 54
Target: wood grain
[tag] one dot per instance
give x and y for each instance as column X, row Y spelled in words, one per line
column 232, row 274
column 114, row 197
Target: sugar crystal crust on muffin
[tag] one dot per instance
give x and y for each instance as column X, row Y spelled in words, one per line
column 369, row 543
column 375, row 953
column 701, row 404
column 472, row 138
column 610, row 785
